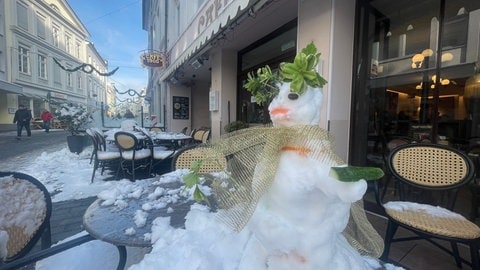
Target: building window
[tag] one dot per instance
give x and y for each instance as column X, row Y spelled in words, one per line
column 57, row 79
column 42, row 66
column 23, row 60
column 22, row 16
column 69, row 79
column 77, row 49
column 56, row 36
column 41, row 23
column 79, row 82
column 68, row 44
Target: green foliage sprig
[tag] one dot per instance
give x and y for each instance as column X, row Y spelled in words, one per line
column 301, row 73
column 262, row 85
column 192, row 180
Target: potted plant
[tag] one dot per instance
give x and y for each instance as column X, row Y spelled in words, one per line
column 236, row 125
column 75, row 117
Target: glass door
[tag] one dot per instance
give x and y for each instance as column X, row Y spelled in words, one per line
column 415, row 72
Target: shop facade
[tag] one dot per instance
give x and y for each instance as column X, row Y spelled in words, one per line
column 379, row 86
column 46, row 60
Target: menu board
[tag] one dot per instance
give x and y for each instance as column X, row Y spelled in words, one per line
column 180, row 107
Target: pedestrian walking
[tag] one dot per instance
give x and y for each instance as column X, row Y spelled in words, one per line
column 46, row 118
column 22, row 117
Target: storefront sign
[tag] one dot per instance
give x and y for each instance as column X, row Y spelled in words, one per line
column 211, row 13
column 153, row 59
column 58, row 95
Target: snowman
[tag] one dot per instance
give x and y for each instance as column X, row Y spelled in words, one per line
column 298, row 222
column 300, row 211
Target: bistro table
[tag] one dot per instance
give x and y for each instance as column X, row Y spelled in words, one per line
column 168, row 139
column 127, row 219
column 174, row 140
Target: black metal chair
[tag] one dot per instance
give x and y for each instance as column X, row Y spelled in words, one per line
column 161, row 155
column 474, row 153
column 429, row 176
column 133, row 155
column 101, row 155
column 26, row 197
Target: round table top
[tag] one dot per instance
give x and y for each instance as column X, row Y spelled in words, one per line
column 116, row 225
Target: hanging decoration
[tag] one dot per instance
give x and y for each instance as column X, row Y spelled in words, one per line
column 130, row 92
column 87, row 68
column 129, row 100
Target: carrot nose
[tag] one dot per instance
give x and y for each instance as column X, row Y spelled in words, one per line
column 279, row 111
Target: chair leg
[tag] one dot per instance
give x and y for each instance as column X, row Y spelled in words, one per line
column 474, row 248
column 120, row 167
column 103, row 167
column 133, row 170
column 391, row 229
column 95, row 166
column 475, row 190
column 456, row 254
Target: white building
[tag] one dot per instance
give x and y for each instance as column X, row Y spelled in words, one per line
column 43, row 52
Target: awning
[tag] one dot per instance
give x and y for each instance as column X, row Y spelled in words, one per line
column 210, row 19
column 10, row 87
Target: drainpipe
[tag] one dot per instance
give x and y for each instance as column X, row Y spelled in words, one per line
column 164, row 87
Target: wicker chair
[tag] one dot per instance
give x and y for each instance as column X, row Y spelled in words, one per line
column 198, row 135
column 25, row 218
column 429, row 176
column 132, row 154
column 184, row 158
column 156, row 129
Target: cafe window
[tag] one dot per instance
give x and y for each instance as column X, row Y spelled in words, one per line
column 415, row 63
column 277, row 47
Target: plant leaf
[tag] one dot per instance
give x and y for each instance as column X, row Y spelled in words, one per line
column 190, row 179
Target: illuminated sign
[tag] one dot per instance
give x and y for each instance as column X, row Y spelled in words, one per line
column 153, row 59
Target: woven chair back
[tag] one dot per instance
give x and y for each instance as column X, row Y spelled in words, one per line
column 430, row 166
column 206, row 136
column 156, row 129
column 25, row 214
column 198, row 135
column 126, row 141
column 184, row 159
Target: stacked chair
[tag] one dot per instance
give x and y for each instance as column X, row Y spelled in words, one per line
column 161, row 155
column 429, row 176
column 201, row 135
column 101, row 155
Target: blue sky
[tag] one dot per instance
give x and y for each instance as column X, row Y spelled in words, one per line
column 115, row 28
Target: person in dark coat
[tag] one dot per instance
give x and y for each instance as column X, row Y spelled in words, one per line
column 22, row 117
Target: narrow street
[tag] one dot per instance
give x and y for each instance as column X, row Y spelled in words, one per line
column 28, row 147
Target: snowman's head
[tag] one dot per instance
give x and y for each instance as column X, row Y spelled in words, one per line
column 289, row 109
